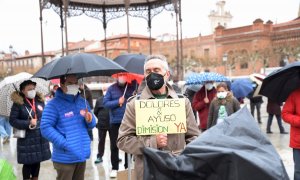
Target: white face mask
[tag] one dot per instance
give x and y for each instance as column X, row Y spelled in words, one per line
column 72, row 89
column 122, row 80
column 209, row 86
column 31, row 94
column 222, row 95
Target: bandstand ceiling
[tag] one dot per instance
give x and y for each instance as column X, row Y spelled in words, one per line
column 112, row 4
column 112, row 8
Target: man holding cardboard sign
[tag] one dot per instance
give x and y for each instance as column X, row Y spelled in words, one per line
column 156, row 118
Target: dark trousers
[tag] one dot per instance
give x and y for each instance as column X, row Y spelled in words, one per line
column 256, row 106
column 73, row 171
column 279, row 121
column 296, row 156
column 114, row 155
column 30, row 170
column 102, row 135
column 90, row 132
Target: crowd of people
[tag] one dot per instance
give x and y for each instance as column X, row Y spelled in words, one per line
column 69, row 116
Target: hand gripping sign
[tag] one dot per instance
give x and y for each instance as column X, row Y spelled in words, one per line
column 155, row 116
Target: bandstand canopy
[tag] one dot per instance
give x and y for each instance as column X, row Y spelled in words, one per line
column 109, row 5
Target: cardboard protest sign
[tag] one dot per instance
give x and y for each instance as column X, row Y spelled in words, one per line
column 155, row 116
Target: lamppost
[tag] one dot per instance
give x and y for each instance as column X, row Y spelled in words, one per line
column 11, row 50
column 225, row 58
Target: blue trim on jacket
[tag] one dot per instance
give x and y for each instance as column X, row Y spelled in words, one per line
column 64, row 126
column 111, row 101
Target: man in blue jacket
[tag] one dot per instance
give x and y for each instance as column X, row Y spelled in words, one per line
column 65, row 123
column 115, row 100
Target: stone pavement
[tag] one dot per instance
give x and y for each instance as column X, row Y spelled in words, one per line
column 101, row 171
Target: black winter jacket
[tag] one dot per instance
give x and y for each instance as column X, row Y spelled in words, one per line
column 102, row 114
column 33, row 148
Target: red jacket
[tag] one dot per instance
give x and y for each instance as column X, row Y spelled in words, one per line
column 291, row 114
column 202, row 108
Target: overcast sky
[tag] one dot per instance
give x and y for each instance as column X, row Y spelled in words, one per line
column 20, row 26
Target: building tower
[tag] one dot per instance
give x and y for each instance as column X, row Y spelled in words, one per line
column 219, row 16
column 299, row 11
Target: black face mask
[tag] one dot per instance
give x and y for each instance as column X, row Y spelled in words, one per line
column 155, row 81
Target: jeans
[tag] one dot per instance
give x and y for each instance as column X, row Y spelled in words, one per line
column 279, row 121
column 5, row 128
column 296, row 156
column 252, row 108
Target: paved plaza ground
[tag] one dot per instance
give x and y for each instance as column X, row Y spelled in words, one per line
column 101, row 171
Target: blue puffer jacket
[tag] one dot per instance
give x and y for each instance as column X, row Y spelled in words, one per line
column 64, row 125
column 111, row 101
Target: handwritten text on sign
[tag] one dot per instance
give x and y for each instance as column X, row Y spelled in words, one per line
column 155, row 116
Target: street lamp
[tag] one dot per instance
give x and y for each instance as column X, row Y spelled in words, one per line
column 11, row 50
column 225, row 58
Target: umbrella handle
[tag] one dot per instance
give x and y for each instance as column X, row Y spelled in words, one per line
column 84, row 97
column 124, row 93
column 205, row 92
column 122, row 104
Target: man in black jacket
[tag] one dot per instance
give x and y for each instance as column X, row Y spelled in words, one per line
column 255, row 102
column 102, row 125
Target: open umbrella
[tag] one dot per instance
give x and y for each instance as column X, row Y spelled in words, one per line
column 42, row 86
column 280, row 83
column 133, row 63
column 232, row 150
column 81, row 65
column 201, row 78
column 257, row 79
column 130, row 77
column 193, row 87
column 15, row 78
column 241, row 87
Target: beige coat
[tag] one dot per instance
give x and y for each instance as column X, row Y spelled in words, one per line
column 129, row 142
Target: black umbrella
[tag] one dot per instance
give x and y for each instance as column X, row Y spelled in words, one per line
column 133, row 63
column 80, row 64
column 279, row 84
column 234, row 149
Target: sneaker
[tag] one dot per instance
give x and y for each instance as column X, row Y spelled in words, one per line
column 98, row 160
column 269, row 132
column 284, row 132
column 113, row 173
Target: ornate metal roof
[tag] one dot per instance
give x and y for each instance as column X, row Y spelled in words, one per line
column 111, row 8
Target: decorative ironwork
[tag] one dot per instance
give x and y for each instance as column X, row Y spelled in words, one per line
column 106, row 10
column 112, row 9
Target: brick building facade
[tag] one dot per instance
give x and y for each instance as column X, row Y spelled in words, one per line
column 238, row 51
column 233, row 51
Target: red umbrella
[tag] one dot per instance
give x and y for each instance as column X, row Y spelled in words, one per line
column 55, row 81
column 130, row 77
